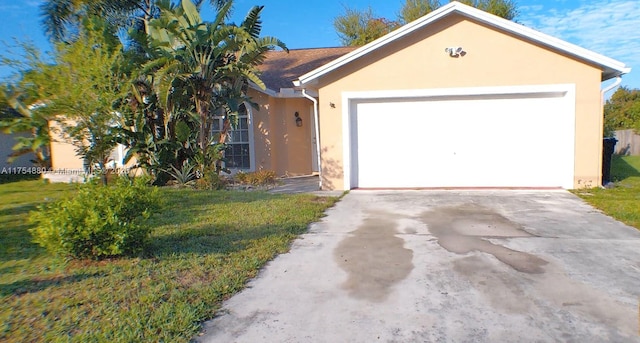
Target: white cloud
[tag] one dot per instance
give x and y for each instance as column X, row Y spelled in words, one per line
column 609, row 27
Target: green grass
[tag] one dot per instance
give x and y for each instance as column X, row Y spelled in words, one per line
column 205, row 246
column 623, row 201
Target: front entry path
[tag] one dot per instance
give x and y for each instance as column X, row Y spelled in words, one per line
column 446, row 266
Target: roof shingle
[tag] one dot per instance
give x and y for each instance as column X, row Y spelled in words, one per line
column 280, row 68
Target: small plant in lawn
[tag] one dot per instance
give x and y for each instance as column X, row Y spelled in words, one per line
column 241, row 177
column 98, row 221
column 259, row 178
column 184, row 176
column 211, row 180
column 209, row 163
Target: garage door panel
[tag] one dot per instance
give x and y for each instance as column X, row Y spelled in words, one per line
column 495, row 142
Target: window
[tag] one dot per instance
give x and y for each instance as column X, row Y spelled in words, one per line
column 237, row 153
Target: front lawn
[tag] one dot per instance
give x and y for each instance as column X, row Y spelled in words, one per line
column 204, row 247
column 623, row 201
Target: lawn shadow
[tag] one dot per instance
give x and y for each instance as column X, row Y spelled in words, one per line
column 40, row 284
column 184, row 232
column 18, row 210
column 621, row 170
column 183, row 207
column 10, row 178
column 17, row 242
column 210, row 240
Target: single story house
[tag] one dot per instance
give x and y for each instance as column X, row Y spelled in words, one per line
column 21, row 164
column 457, row 98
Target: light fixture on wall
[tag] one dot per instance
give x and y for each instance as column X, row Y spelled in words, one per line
column 298, row 119
column 455, row 51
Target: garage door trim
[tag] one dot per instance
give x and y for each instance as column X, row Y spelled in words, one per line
column 351, row 99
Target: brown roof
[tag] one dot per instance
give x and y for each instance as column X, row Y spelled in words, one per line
column 280, row 69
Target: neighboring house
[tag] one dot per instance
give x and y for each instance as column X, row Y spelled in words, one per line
column 458, row 98
column 7, row 142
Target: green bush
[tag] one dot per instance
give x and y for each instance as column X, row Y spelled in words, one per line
column 97, row 221
column 211, row 180
column 259, row 178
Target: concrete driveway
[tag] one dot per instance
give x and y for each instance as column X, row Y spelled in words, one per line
column 446, row 266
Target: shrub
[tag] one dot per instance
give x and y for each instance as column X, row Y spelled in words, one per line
column 241, row 177
column 211, row 180
column 259, row 178
column 97, row 221
column 185, row 176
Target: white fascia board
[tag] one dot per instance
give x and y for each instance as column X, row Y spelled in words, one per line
column 266, row 91
column 617, row 67
column 283, row 92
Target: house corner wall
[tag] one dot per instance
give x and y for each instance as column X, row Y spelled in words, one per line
column 279, row 144
column 63, row 153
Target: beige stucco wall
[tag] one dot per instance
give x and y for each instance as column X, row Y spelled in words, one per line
column 63, row 154
column 419, row 61
column 280, row 145
column 66, row 165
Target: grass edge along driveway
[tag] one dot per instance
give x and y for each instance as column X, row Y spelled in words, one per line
column 204, row 247
column 621, row 202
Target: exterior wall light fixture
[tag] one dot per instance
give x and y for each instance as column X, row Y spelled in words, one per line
column 455, row 51
column 298, row 119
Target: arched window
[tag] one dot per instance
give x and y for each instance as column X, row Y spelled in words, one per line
column 238, row 153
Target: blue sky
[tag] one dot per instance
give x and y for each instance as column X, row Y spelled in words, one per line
column 609, row 27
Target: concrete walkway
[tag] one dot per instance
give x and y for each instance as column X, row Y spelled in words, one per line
column 446, row 266
column 303, row 184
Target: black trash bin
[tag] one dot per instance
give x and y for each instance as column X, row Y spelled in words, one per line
column 608, row 146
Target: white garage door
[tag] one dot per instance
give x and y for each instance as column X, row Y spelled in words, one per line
column 515, row 140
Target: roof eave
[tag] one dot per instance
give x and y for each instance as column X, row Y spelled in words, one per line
column 282, row 93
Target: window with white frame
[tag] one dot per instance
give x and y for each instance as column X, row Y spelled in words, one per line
column 237, row 154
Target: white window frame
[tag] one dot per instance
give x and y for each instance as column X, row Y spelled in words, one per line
column 249, row 116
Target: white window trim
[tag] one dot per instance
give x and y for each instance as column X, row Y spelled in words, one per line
column 252, row 150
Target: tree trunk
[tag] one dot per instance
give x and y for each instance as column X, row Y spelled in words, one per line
column 202, row 136
column 103, row 172
column 226, row 127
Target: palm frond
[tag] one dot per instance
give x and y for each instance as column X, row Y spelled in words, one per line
column 218, row 5
column 55, row 16
column 252, row 22
column 224, row 12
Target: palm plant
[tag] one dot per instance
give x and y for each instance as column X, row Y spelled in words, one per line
column 210, row 64
column 157, row 139
column 184, row 176
column 61, row 18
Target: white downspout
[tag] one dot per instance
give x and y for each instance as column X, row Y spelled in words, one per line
column 611, row 86
column 315, row 118
column 602, row 102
